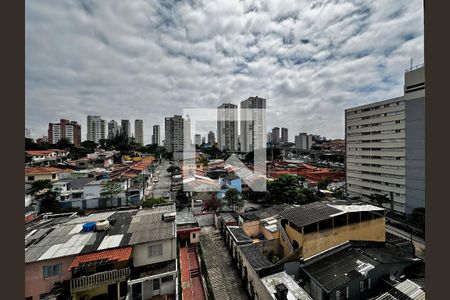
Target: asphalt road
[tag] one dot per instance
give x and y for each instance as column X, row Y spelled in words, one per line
column 163, row 185
column 418, row 242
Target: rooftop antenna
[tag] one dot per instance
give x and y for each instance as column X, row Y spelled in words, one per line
column 411, row 63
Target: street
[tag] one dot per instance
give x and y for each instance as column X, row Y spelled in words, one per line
column 163, row 185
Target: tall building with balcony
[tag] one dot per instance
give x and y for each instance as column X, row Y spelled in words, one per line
column 276, row 135
column 96, row 129
column 113, row 129
column 253, row 124
column 211, row 138
column 177, row 135
column 227, row 127
column 126, row 129
column 284, row 135
column 385, row 147
column 156, row 135
column 65, row 129
column 139, row 131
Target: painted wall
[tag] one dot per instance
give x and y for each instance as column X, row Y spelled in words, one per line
column 140, row 253
column 42, row 177
column 36, row 284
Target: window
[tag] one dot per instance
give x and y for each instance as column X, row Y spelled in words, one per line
column 30, row 178
column 364, row 285
column 29, row 298
column 193, row 235
column 53, row 176
column 166, row 279
column 342, row 293
column 53, row 270
column 155, row 250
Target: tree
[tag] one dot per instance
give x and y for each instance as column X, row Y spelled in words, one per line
column 286, row 189
column 211, row 204
column 49, row 202
column 153, row 201
column 182, row 199
column 379, row 199
column 38, row 186
column 89, row 145
column 110, row 189
column 324, row 182
column 63, row 144
column 232, row 198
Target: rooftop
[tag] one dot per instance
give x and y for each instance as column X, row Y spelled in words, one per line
column 129, row 227
column 407, row 290
column 239, row 235
column 119, row 254
column 265, row 213
column 317, row 211
column 44, row 170
column 333, row 268
column 255, row 258
column 294, row 290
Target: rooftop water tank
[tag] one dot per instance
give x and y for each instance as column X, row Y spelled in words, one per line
column 102, row 225
column 88, row 227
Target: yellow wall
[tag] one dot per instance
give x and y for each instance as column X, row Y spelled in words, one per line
column 251, row 228
column 92, row 292
column 313, row 243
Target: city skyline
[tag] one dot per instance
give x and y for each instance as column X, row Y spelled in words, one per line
column 289, row 54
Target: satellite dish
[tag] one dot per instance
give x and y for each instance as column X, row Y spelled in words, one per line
column 392, row 277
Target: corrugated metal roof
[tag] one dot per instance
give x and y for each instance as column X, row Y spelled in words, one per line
column 406, row 290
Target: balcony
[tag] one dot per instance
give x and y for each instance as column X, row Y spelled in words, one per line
column 99, row 279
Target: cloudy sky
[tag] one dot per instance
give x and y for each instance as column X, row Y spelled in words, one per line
column 150, row 59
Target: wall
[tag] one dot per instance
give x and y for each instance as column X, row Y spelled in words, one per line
column 415, row 154
column 251, row 228
column 313, row 243
column 35, row 284
column 140, row 253
column 42, row 177
column 269, row 245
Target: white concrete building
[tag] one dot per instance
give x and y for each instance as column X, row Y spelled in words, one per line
column 96, row 129
column 253, row 124
column 177, row 134
column 139, row 131
column 156, row 135
column 385, row 144
column 227, row 127
column 197, row 139
column 113, row 129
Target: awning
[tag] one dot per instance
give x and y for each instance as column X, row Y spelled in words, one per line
column 120, row 254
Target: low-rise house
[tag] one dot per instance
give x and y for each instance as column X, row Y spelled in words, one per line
column 33, row 174
column 46, row 157
column 354, row 270
column 312, row 228
column 114, row 254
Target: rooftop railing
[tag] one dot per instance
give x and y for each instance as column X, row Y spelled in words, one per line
column 99, row 279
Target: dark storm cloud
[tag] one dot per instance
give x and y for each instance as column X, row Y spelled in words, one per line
column 150, row 59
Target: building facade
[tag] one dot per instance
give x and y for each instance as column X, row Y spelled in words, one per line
column 156, row 135
column 113, row 129
column 284, row 135
column 211, row 138
column 139, row 131
column 253, row 124
column 276, row 135
column 175, row 128
column 227, row 127
column 385, row 147
column 65, row 129
column 125, row 127
column 197, row 139
column 96, row 130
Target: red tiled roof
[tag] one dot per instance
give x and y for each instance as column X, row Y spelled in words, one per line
column 119, row 254
column 43, row 152
column 44, row 170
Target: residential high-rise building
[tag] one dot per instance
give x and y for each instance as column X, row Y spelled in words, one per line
column 385, row 147
column 27, row 133
column 96, row 129
column 125, row 129
column 211, row 138
column 227, row 127
column 203, row 140
column 198, row 139
column 269, row 137
column 253, row 124
column 139, row 132
column 156, row 135
column 276, row 135
column 304, row 141
column 177, row 135
column 284, row 135
column 65, row 129
column 113, row 129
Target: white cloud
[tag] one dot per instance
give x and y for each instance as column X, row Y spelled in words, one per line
column 150, row 59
